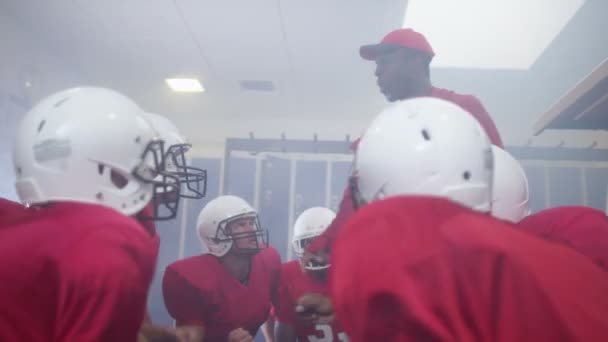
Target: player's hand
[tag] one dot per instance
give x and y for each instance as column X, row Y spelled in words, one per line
column 189, row 334
column 240, row 335
column 153, row 333
column 316, row 308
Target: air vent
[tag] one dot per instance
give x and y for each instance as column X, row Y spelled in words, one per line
column 257, row 85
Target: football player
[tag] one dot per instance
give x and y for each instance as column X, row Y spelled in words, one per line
column 422, row 259
column 86, row 160
column 226, row 292
column 298, row 279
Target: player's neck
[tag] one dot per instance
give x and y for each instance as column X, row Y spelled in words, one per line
column 239, row 266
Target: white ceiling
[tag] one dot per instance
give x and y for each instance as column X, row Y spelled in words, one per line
column 308, row 49
column 492, row 34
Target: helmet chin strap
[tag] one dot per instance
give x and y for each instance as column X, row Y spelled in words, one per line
column 311, row 267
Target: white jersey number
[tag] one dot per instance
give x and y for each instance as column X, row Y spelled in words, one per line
column 327, row 334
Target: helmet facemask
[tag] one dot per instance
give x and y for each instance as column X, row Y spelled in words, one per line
column 166, row 189
column 193, row 180
column 318, row 262
column 246, row 242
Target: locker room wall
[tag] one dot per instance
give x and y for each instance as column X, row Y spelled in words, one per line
column 281, row 186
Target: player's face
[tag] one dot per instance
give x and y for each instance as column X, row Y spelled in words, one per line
column 239, row 229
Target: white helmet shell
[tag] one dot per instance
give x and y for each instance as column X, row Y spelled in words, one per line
column 214, row 217
column 311, row 223
column 177, row 161
column 169, row 133
column 425, row 146
column 74, row 144
column 510, row 193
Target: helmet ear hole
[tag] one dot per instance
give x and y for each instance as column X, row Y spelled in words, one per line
column 41, row 125
column 118, row 179
column 426, row 135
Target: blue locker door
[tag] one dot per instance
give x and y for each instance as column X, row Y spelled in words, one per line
column 274, row 200
column 536, row 185
column 565, row 186
column 310, row 185
column 339, row 181
column 168, row 231
column 274, row 204
column 241, row 178
column 597, row 184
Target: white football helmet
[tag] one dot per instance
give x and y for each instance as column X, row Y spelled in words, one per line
column 88, row 145
column 424, row 146
column 510, row 190
column 214, row 218
column 310, row 224
column 193, row 181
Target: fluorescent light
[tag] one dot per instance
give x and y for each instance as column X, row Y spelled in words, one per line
column 489, row 34
column 185, row 85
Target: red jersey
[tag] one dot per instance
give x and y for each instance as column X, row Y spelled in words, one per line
column 295, row 283
column 472, row 105
column 73, row 272
column 467, row 102
column 428, row 269
column 582, row 228
column 200, row 291
column 8, row 207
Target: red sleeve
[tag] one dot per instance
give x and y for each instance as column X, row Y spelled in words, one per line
column 474, row 106
column 103, row 292
column 284, row 308
column 182, row 300
column 326, row 240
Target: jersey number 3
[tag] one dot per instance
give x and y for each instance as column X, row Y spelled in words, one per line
column 327, row 334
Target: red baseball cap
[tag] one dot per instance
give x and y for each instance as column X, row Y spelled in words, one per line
column 404, row 37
